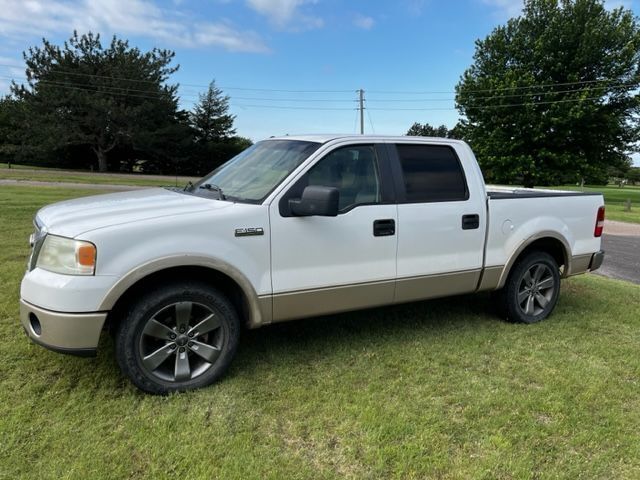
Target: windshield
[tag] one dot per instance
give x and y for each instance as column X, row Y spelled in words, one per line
column 253, row 174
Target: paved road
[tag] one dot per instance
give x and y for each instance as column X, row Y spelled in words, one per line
column 621, row 242
column 622, row 258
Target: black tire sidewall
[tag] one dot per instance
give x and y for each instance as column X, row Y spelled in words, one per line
column 130, row 329
column 513, row 311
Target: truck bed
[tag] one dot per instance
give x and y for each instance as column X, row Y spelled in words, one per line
column 498, row 192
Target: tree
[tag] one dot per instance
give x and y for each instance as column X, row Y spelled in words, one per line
column 426, row 130
column 212, row 124
column 210, row 117
column 104, row 98
column 553, row 93
column 633, row 175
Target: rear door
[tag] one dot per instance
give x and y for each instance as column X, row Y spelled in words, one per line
column 329, row 264
column 441, row 220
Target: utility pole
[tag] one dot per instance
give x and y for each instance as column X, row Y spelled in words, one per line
column 361, row 92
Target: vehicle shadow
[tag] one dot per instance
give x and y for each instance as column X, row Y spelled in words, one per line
column 396, row 324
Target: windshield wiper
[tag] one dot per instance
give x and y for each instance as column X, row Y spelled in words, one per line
column 188, row 187
column 215, row 188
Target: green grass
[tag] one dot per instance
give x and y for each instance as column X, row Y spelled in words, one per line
column 440, row 389
column 614, row 199
column 22, row 173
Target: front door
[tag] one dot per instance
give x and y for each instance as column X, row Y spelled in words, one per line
column 328, row 264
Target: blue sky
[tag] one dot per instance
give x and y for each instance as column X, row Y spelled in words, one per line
column 321, row 50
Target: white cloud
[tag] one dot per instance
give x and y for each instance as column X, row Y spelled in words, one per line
column 364, row 22
column 506, row 8
column 286, row 13
column 124, row 17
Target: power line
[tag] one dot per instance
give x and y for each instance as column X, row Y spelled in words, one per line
column 613, row 82
column 489, row 107
column 154, row 95
column 94, row 75
column 491, row 97
column 87, row 88
column 373, row 130
column 560, row 84
column 283, row 107
column 151, row 94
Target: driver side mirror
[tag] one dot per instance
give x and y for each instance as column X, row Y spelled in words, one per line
column 316, row 200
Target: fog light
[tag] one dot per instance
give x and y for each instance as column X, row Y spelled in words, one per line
column 35, row 324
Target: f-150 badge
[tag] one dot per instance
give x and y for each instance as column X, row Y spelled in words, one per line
column 249, row 232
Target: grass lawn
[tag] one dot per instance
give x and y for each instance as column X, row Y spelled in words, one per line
column 439, row 389
column 19, row 172
column 614, row 199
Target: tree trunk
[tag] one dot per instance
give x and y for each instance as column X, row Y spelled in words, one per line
column 102, row 159
column 527, row 181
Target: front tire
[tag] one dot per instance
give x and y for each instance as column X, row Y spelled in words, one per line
column 180, row 337
column 532, row 289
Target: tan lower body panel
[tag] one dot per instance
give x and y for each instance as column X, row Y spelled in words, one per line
column 322, row 301
column 490, row 278
column 433, row 286
column 580, row 264
column 68, row 331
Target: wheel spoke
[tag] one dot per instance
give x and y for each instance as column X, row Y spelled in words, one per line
column 522, row 296
column 156, row 329
column 529, row 309
column 546, row 283
column 183, row 314
column 211, row 322
column 155, row 359
column 209, row 353
column 528, row 280
column 542, row 300
column 183, row 369
column 538, row 273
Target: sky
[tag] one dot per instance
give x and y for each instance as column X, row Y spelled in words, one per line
column 288, row 66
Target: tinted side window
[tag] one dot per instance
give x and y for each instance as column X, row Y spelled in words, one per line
column 432, row 173
column 353, row 171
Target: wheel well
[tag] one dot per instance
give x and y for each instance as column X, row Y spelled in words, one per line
column 550, row 245
column 224, row 283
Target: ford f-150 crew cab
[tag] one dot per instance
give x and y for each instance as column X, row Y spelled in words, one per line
column 293, row 227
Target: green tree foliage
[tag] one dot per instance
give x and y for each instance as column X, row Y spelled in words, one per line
column 633, row 175
column 210, row 116
column 110, row 98
column 212, row 125
column 426, row 130
column 11, row 116
column 551, row 95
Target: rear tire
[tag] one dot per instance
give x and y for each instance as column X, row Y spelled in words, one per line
column 532, row 288
column 179, row 337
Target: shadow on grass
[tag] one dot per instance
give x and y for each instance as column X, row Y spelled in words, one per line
column 395, row 324
column 320, row 336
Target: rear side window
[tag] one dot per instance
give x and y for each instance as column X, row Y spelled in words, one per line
column 432, row 173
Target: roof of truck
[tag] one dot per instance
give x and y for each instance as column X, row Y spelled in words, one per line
column 327, row 137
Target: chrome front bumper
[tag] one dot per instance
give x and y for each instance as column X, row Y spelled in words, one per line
column 73, row 333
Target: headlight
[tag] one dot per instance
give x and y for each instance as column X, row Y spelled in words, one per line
column 67, row 256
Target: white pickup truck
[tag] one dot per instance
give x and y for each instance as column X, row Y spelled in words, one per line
column 293, row 227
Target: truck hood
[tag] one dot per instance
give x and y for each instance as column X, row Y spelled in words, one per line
column 74, row 217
